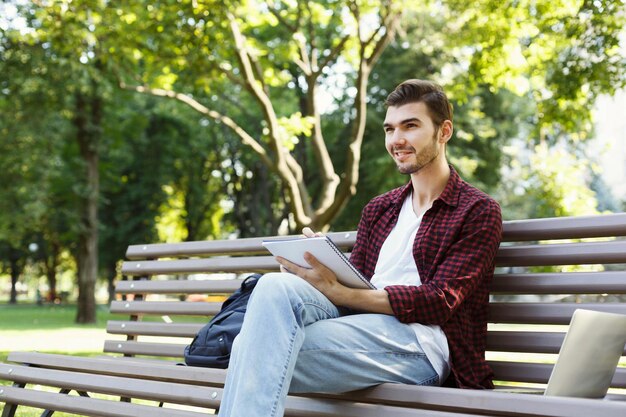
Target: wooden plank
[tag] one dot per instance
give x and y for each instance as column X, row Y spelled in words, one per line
column 104, row 384
column 217, row 247
column 144, row 348
column 563, row 254
column 178, row 286
column 209, row 265
column 526, row 342
column 605, row 225
column 488, row 401
column 166, row 307
column 85, row 406
column 545, row 313
column 539, row 373
column 605, row 282
column 153, row 328
column 573, row 227
column 158, row 370
column 528, row 255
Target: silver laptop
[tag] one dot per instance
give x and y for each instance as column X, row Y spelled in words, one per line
column 588, row 357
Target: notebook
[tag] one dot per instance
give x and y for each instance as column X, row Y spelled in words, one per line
column 325, row 251
column 588, row 357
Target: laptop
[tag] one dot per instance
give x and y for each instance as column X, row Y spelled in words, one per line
column 588, row 357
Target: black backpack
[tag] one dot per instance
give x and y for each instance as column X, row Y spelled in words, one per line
column 212, row 345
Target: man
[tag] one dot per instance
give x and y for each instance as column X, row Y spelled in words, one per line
column 429, row 248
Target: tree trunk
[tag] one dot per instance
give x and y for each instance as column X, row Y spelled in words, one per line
column 111, row 273
column 51, row 263
column 15, row 274
column 88, row 124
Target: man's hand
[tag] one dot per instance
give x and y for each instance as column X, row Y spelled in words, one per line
column 319, row 276
column 308, row 232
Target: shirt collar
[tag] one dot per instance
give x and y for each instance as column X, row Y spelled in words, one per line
column 449, row 195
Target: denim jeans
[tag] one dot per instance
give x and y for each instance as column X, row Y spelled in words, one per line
column 294, row 339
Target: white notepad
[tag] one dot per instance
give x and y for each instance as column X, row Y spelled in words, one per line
column 325, row 251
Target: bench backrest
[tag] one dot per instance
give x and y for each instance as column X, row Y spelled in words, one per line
column 546, row 269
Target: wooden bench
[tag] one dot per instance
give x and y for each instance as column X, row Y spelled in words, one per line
column 529, row 314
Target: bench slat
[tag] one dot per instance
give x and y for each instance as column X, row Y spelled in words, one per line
column 181, row 286
column 158, row 370
column 539, row 372
column 526, row 341
column 497, row 403
column 104, row 384
column 605, row 282
column 545, row 313
column 497, row 340
column 530, row 255
column 574, row 227
column 563, row 254
column 87, row 406
column 153, row 329
column 189, row 266
column 166, row 307
column 217, row 247
column 173, row 350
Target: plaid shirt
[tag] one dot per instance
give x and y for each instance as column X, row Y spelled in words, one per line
column 454, row 251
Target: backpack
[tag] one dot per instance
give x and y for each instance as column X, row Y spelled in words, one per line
column 212, row 345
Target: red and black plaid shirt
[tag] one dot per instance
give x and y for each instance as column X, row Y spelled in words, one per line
column 454, row 251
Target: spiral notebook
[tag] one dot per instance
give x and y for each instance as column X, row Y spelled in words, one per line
column 325, row 251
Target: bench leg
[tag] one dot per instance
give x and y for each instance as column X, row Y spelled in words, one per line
column 10, row 409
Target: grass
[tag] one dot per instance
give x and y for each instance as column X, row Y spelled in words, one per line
column 49, row 328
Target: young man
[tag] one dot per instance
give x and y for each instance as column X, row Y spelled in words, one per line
column 429, row 248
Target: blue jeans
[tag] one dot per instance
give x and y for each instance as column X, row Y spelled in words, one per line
column 293, row 339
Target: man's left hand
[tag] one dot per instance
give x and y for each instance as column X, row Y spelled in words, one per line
column 318, row 275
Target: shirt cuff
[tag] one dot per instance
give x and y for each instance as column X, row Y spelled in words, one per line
column 401, row 299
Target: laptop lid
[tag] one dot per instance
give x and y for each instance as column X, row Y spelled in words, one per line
column 589, row 355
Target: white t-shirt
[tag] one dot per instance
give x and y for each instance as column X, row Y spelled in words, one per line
column 396, row 266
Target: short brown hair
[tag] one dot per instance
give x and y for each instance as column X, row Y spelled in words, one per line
column 420, row 91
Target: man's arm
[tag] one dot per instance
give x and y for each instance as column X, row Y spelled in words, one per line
column 325, row 280
column 467, row 262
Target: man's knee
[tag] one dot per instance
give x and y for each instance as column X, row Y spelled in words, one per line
column 278, row 283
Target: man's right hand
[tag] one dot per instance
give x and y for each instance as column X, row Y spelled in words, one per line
column 308, row 232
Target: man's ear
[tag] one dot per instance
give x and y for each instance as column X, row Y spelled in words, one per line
column 445, row 131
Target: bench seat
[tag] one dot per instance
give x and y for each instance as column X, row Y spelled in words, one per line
column 533, row 299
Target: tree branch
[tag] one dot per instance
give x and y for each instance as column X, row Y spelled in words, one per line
column 280, row 166
column 334, row 53
column 200, row 108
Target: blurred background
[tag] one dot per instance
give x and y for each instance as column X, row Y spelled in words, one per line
column 181, row 120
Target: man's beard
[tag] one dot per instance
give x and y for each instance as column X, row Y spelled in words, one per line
column 422, row 159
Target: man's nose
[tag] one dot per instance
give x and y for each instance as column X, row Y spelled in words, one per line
column 397, row 138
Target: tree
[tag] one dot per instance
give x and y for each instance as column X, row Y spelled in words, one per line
column 64, row 35
column 514, row 80
column 275, row 57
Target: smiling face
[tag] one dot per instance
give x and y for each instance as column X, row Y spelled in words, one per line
column 411, row 137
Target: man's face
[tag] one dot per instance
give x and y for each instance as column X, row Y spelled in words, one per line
column 411, row 137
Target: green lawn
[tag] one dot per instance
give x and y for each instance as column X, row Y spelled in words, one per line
column 32, row 327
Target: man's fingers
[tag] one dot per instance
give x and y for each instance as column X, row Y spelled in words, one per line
column 308, row 232
column 312, row 260
column 289, row 266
